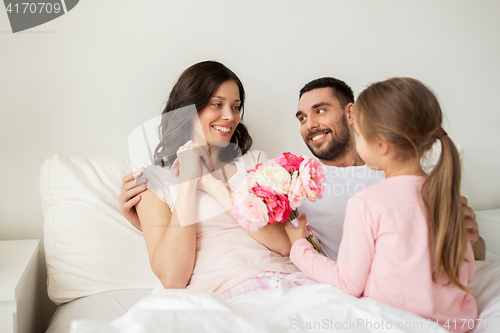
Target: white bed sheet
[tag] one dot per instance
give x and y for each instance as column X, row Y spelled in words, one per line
column 315, row 308
column 102, row 307
column 188, row 311
column 312, row 308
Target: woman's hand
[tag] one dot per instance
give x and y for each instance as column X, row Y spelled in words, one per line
column 197, row 170
column 296, row 233
column 190, row 156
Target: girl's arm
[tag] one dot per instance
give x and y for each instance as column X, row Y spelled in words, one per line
column 357, row 248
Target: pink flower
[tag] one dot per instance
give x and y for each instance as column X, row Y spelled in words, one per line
column 276, row 203
column 289, row 161
column 297, row 191
column 248, row 183
column 255, row 169
column 312, row 175
column 250, row 212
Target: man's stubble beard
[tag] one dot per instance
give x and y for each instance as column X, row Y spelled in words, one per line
column 338, row 146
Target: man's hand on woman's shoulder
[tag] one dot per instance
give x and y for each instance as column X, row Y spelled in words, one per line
column 132, row 185
column 477, row 242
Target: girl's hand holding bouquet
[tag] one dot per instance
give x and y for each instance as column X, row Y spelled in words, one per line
column 297, row 232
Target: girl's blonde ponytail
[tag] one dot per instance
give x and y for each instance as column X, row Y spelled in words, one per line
column 447, row 231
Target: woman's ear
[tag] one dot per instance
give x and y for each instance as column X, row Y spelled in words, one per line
column 382, row 144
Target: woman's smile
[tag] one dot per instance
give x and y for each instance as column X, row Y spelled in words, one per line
column 223, row 130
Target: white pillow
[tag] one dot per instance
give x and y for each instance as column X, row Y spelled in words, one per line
column 486, row 291
column 90, row 247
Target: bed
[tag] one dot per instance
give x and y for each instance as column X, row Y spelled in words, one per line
column 100, row 279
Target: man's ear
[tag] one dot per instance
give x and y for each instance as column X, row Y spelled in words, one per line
column 349, row 115
column 382, row 144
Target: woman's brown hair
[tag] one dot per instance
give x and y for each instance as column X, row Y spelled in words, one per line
column 197, row 85
column 408, row 115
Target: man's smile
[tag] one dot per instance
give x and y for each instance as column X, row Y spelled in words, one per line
column 317, row 137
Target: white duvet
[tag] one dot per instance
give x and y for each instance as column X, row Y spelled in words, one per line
column 313, row 308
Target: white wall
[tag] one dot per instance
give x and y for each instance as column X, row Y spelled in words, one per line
column 81, row 83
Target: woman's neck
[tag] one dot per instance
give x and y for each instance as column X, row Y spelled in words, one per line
column 211, row 150
column 220, row 170
column 214, row 153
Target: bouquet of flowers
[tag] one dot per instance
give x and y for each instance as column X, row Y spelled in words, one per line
column 273, row 191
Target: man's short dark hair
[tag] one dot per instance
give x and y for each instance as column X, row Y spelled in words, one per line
column 340, row 89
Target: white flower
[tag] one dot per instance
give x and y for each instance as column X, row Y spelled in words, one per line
column 273, row 175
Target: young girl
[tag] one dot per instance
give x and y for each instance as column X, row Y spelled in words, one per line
column 404, row 240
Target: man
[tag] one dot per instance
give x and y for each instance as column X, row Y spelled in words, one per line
column 325, row 114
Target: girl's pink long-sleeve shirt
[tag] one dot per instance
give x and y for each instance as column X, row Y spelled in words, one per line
column 384, row 255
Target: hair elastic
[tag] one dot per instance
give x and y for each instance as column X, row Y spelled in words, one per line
column 439, row 133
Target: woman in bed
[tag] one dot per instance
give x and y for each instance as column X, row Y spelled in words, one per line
column 192, row 239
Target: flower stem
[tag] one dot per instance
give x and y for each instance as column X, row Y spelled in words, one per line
column 313, row 243
column 293, row 215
